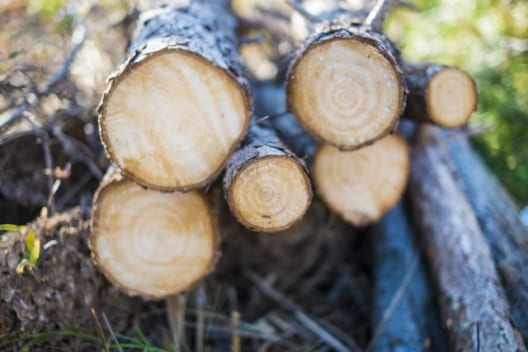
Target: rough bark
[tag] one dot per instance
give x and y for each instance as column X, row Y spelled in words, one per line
column 265, row 185
column 180, row 104
column 149, row 243
column 498, row 217
column 472, row 301
column 70, row 285
column 413, row 323
column 442, row 95
column 345, row 85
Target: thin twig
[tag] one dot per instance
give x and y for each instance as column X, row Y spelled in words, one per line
column 78, row 38
column 302, row 317
column 377, row 15
column 235, row 325
column 259, row 38
column 112, row 333
column 100, row 331
column 176, row 317
column 302, row 11
column 393, row 304
column 273, row 13
column 201, row 300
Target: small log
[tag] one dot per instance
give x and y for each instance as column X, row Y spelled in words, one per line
column 149, row 243
column 472, row 301
column 442, row 95
column 498, row 217
column 265, row 185
column 345, row 85
column 362, row 185
column 412, row 323
column 180, row 104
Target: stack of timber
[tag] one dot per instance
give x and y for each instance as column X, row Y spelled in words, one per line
column 448, row 262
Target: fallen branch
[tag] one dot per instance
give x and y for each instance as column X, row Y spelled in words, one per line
column 472, row 302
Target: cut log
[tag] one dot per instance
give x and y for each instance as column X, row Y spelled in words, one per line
column 443, row 95
column 472, row 301
column 149, row 243
column 499, row 221
column 345, row 86
column 405, row 314
column 179, row 105
column 266, row 185
column 362, row 185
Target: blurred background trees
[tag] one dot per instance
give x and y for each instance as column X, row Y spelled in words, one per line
column 489, row 38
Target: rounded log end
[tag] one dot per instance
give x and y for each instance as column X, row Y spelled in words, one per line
column 170, row 121
column 362, row 185
column 149, row 243
column 270, row 194
column 347, row 92
column 451, row 97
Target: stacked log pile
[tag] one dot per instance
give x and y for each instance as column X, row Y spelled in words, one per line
column 181, row 110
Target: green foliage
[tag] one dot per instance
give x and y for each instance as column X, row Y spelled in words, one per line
column 46, row 9
column 31, row 256
column 489, row 38
column 121, row 342
column 31, row 250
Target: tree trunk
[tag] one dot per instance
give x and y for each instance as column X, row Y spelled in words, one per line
column 498, row 217
column 472, row 302
column 180, row 104
column 445, row 96
column 149, row 243
column 265, row 185
column 345, row 86
column 413, row 323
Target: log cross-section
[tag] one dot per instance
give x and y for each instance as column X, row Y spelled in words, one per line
column 442, row 95
column 362, row 185
column 345, row 85
column 266, row 186
column 150, row 243
column 180, row 104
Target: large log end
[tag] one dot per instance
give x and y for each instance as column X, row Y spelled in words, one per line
column 171, row 120
column 149, row 243
column 346, row 90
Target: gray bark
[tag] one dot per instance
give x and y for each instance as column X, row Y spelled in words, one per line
column 498, row 217
column 414, row 322
column 472, row 301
